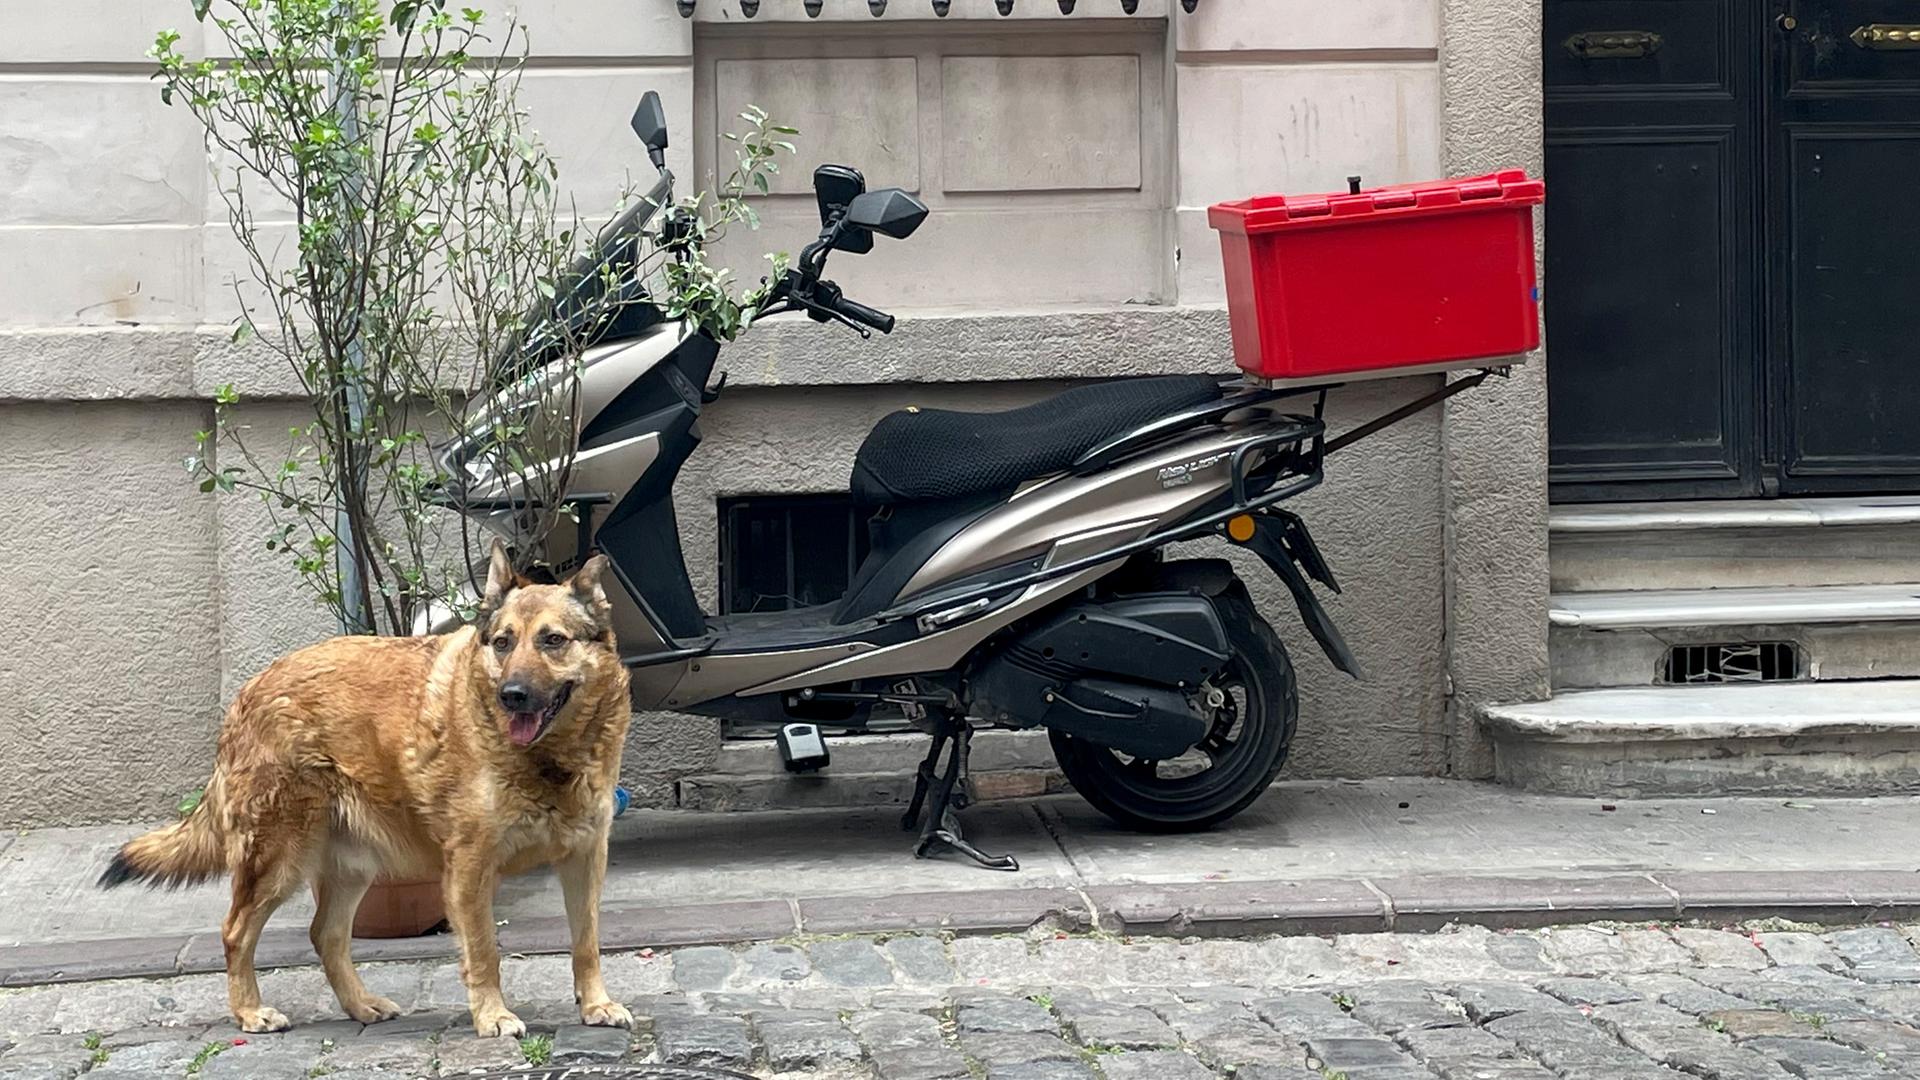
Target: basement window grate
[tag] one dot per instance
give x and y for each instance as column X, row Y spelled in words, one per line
column 779, row 552
column 1731, row 662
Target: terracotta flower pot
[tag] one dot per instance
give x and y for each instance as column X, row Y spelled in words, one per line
column 395, row 909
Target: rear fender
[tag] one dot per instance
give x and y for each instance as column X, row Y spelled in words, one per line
column 1282, row 542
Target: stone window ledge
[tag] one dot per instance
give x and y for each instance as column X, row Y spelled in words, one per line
column 116, row 363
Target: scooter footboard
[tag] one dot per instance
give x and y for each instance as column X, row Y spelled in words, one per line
column 1117, row 673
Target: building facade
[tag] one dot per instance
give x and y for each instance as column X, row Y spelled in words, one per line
column 1068, row 161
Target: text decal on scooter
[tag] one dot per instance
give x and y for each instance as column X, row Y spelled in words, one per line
column 1175, row 475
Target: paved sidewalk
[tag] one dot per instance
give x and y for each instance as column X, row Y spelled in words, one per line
column 1310, row 857
column 1622, row 1002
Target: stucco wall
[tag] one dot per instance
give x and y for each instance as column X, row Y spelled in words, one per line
column 1066, row 261
column 1495, row 438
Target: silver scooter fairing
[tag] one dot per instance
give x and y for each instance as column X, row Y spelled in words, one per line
column 1048, row 540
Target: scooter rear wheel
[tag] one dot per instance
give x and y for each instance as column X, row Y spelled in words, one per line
column 1225, row 772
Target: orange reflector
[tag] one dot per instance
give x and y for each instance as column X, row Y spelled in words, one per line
column 1241, row 528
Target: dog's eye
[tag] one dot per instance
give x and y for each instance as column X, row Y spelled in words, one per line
column 502, row 643
column 554, row 641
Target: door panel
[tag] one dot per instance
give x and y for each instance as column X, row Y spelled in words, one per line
column 1846, row 149
column 1853, row 47
column 1652, row 242
column 1653, row 334
column 1853, row 383
column 1603, row 46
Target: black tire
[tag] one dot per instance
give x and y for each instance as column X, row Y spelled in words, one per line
column 1261, row 715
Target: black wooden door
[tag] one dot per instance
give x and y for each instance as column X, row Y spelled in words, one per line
column 1844, row 129
column 1724, row 247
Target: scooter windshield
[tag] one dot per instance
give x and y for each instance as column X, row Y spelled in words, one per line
column 601, row 295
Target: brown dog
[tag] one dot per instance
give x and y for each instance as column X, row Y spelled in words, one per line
column 475, row 754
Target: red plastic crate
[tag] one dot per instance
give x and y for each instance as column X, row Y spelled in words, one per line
column 1418, row 275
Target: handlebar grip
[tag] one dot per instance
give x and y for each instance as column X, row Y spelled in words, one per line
column 865, row 315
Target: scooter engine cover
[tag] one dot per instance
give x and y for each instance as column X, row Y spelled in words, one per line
column 1116, row 673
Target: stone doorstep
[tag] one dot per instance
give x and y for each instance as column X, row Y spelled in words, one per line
column 1616, row 518
column 1777, row 739
column 1745, row 606
column 1201, row 909
column 1728, row 711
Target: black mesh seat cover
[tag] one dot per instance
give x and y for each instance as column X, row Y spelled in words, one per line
column 941, row 454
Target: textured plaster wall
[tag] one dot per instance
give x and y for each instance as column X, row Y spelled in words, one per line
column 1495, row 438
column 111, row 599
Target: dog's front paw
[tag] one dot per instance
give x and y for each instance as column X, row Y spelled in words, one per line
column 499, row 1023
column 373, row 1010
column 606, row 1014
column 262, row 1020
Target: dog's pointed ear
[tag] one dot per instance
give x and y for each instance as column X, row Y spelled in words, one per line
column 588, row 585
column 501, row 580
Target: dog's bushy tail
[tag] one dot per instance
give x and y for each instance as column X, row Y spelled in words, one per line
column 187, row 852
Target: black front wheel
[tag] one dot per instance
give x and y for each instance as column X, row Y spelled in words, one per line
column 1255, row 705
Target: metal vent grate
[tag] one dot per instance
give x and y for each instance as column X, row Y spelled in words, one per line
column 1726, row 662
column 779, row 552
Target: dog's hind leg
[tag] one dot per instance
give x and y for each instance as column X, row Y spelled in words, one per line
column 259, row 886
column 337, row 891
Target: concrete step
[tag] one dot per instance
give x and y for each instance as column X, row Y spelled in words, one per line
column 1600, row 639
column 1856, row 738
column 1679, row 545
column 867, row 770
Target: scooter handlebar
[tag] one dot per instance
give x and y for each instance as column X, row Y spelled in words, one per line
column 864, row 315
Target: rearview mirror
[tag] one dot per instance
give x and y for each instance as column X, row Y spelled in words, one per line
column 835, row 187
column 889, row 212
column 650, row 123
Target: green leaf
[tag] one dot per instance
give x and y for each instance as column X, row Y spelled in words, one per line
column 200, row 8
column 190, row 800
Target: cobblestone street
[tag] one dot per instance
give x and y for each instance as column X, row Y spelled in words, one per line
column 1761, row 1002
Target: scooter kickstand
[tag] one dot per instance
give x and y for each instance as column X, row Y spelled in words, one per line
column 923, row 779
column 942, row 826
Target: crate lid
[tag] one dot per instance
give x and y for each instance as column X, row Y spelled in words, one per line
column 1264, row 213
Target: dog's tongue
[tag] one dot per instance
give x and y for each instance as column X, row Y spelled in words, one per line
column 523, row 727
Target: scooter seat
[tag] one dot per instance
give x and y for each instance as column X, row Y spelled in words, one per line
column 921, row 454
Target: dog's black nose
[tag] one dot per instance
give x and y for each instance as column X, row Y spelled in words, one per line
column 514, row 697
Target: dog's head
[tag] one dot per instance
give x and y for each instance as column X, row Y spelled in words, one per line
column 541, row 643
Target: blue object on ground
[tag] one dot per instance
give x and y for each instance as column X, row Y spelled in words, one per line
column 621, row 800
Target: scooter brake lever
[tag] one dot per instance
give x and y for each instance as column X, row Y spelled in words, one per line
column 835, row 316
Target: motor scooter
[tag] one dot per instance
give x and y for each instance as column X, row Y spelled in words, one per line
column 1016, row 576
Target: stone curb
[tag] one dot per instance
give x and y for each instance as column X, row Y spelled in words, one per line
column 1199, row 909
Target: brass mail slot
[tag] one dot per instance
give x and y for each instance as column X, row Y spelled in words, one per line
column 1887, row 36
column 1613, row 44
